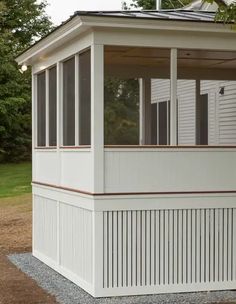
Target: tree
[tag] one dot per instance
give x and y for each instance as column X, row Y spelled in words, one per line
column 226, row 14
column 121, row 111
column 151, row 4
column 22, row 22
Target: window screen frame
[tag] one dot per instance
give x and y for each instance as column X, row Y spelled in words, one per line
column 63, row 143
column 35, row 133
column 42, row 144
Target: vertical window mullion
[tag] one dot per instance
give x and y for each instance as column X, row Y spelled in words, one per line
column 47, row 107
column 77, row 100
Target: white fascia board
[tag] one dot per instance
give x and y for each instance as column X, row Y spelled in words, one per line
column 174, row 25
column 54, row 40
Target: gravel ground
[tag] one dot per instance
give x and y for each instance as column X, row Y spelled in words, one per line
column 68, row 293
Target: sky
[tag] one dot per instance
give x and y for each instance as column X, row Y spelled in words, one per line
column 60, row 10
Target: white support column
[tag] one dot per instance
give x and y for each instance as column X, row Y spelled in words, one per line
column 34, row 119
column 141, row 112
column 173, row 97
column 97, row 116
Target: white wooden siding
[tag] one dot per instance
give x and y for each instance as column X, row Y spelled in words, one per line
column 144, row 244
column 160, row 90
column 45, row 226
column 76, row 239
column 76, row 170
column 67, row 168
column 227, row 113
column 173, row 247
column 46, row 167
column 169, row 170
column 221, row 109
column 186, row 111
column 211, row 88
column 63, row 238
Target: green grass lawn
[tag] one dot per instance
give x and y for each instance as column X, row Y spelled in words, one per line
column 15, row 179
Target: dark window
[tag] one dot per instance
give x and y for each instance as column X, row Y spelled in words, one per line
column 154, row 123
column 164, row 122
column 202, row 120
column 85, row 98
column 69, row 102
column 41, row 110
column 53, row 106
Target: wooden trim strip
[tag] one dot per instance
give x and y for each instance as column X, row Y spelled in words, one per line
column 141, row 147
column 62, row 188
column 75, row 147
column 167, row 147
column 135, row 193
column 46, row 148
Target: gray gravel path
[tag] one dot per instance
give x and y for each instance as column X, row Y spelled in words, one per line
column 68, row 293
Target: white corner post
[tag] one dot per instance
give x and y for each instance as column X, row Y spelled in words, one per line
column 97, row 150
column 173, row 97
column 34, row 119
column 47, row 107
column 97, row 116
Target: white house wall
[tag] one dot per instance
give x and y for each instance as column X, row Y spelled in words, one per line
column 221, row 109
column 227, row 113
column 186, row 112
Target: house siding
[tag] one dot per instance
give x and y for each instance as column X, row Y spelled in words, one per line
column 221, row 109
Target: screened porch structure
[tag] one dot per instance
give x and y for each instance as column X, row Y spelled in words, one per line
column 134, row 151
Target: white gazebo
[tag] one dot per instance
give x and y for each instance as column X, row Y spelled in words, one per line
column 134, row 151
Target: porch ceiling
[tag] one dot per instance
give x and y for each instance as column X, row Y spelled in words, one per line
column 141, row 62
column 161, row 57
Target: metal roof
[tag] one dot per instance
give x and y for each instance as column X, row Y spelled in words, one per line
column 176, row 15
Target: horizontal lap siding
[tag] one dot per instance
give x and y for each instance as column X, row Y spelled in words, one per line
column 210, row 87
column 186, row 112
column 221, row 109
column 160, row 90
column 168, row 247
column 227, row 113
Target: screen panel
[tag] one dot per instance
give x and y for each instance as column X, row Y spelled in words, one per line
column 69, row 102
column 53, row 106
column 41, row 110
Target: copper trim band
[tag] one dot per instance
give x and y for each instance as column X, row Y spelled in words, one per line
column 134, row 193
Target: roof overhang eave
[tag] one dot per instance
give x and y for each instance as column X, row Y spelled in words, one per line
column 80, row 24
column 57, row 38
